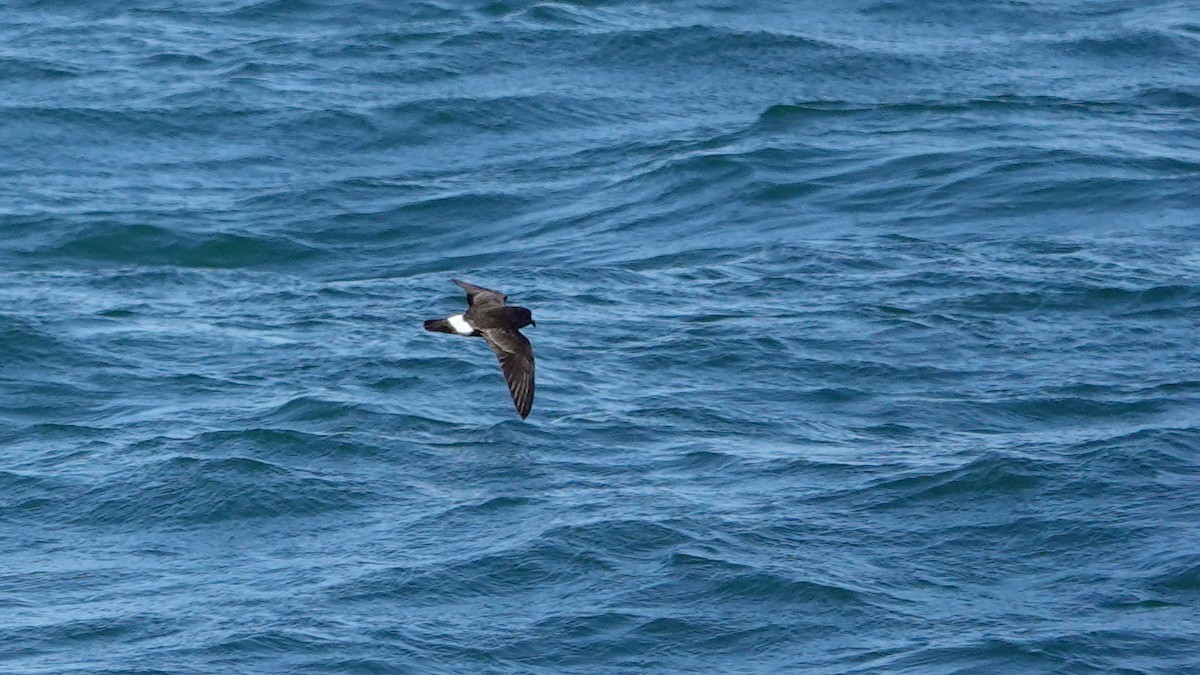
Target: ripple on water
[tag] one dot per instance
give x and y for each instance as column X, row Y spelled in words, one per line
column 866, row 337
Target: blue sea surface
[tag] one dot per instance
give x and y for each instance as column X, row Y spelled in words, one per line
column 868, row 336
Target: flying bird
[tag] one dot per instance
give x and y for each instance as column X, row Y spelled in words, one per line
column 489, row 318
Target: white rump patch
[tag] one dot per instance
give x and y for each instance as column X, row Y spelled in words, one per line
column 460, row 325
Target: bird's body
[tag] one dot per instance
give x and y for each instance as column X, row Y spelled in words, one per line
column 489, row 318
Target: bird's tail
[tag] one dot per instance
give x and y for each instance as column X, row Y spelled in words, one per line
column 439, row 326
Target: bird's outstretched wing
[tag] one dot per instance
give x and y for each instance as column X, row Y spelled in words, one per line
column 516, row 360
column 478, row 295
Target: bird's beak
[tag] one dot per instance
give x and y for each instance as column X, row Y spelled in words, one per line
column 533, row 323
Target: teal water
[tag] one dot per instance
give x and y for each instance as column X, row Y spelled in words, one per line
column 867, row 337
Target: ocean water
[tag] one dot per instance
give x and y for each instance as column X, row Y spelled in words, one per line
column 867, row 336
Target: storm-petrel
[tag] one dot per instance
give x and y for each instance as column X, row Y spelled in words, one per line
column 489, row 318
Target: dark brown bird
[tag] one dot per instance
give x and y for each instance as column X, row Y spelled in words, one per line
column 489, row 318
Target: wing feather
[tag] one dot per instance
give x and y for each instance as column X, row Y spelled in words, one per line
column 478, row 295
column 516, row 362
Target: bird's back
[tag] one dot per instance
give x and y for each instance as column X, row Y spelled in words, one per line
column 505, row 316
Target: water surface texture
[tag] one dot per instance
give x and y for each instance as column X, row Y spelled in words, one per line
column 867, row 336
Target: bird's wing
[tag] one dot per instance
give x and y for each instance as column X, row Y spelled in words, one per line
column 484, row 297
column 516, row 360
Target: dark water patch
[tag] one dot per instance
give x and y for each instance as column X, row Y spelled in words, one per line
column 587, row 626
column 1100, row 649
column 496, row 515
column 23, row 341
column 1163, row 456
column 329, row 130
column 1181, row 577
column 34, row 70
column 785, row 115
column 566, row 15
column 890, row 430
column 995, row 476
column 1099, row 299
column 668, row 414
column 268, row 9
column 396, row 224
column 365, row 666
column 694, row 641
column 29, row 495
column 706, row 460
column 113, row 242
column 1073, row 408
column 545, row 564
column 88, row 126
column 971, row 653
column 776, row 589
column 176, row 59
column 310, row 409
column 1182, row 387
column 1159, row 98
column 255, row 644
column 635, row 538
column 559, row 14
column 492, row 506
column 709, row 42
column 738, row 582
column 84, row 634
column 507, row 114
column 193, row 491
column 280, row 443
column 77, row 439
column 1130, row 43
column 678, row 177
column 772, row 191
column 395, row 384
